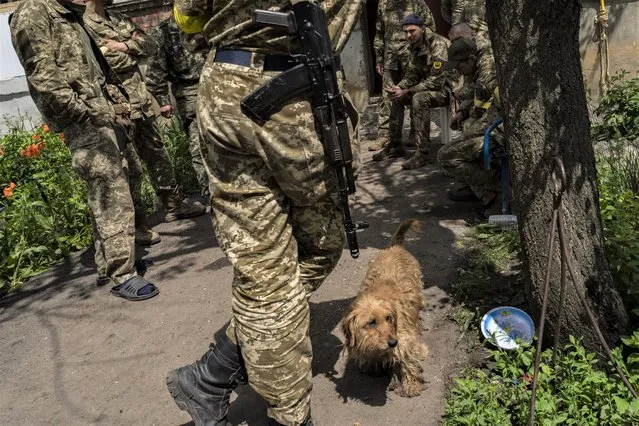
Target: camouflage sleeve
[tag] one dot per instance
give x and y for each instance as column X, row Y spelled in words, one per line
column 457, row 12
column 435, row 77
column 378, row 43
column 31, row 36
column 342, row 23
column 412, row 77
column 486, row 81
column 157, row 71
column 139, row 42
column 423, row 11
column 466, row 96
column 447, row 10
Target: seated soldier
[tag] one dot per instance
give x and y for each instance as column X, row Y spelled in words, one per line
column 462, row 156
column 425, row 85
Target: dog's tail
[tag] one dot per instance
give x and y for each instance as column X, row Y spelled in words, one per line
column 410, row 224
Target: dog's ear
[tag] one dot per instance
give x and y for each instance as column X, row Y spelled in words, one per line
column 349, row 324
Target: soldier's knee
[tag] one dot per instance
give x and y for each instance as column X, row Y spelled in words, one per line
column 422, row 99
column 444, row 156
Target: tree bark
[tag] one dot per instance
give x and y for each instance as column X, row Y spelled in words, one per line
column 536, row 47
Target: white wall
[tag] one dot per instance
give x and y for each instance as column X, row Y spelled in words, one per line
column 357, row 65
column 15, row 101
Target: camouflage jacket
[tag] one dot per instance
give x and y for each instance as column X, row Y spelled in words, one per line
column 484, row 107
column 230, row 24
column 176, row 58
column 390, row 44
column 425, row 71
column 478, row 89
column 120, row 28
column 62, row 77
column 473, row 12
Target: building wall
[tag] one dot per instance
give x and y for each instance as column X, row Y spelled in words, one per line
column 146, row 13
column 16, row 106
column 623, row 36
column 623, row 40
column 358, row 65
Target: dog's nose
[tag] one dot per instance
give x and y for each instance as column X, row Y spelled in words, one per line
column 392, row 343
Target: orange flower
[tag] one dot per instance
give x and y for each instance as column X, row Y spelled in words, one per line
column 36, row 137
column 41, row 145
column 32, row 150
column 61, row 135
column 8, row 191
column 45, row 128
column 1, row 150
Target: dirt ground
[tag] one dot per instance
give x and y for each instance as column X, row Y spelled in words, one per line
column 72, row 354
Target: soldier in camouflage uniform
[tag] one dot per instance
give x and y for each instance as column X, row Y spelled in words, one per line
column 124, row 44
column 273, row 215
column 425, row 85
column 473, row 12
column 462, row 157
column 465, row 96
column 68, row 84
column 178, row 58
column 392, row 54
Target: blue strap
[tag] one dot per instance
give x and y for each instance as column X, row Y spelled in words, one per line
column 487, row 141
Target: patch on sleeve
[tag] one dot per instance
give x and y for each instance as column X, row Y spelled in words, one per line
column 437, row 66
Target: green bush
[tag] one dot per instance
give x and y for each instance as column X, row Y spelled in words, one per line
column 619, row 213
column 619, row 109
column 618, row 170
column 177, row 145
column 576, row 390
column 43, row 213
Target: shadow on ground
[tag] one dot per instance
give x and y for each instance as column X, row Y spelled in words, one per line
column 73, row 354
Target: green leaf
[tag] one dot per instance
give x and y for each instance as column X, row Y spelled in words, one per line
column 622, row 404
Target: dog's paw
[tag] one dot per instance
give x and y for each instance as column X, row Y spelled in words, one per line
column 394, row 383
column 374, row 370
column 410, row 387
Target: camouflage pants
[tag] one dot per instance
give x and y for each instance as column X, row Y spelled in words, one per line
column 152, row 152
column 276, row 222
column 135, row 173
column 187, row 104
column 97, row 160
column 421, row 104
column 462, row 158
column 391, row 115
column 479, row 26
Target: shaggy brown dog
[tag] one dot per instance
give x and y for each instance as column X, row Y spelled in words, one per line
column 382, row 326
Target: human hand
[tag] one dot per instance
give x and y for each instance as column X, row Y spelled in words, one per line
column 115, row 46
column 379, row 68
column 166, row 111
column 396, row 93
column 456, row 122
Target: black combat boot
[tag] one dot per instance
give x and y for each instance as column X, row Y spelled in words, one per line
column 204, row 388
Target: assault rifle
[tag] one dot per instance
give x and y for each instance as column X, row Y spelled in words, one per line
column 316, row 75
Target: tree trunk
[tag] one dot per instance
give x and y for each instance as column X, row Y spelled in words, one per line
column 536, row 47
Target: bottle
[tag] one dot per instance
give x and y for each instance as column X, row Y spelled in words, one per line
column 504, row 221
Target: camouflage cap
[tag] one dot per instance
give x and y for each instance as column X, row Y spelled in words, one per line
column 459, row 51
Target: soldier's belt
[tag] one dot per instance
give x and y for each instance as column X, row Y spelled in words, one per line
column 243, row 58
